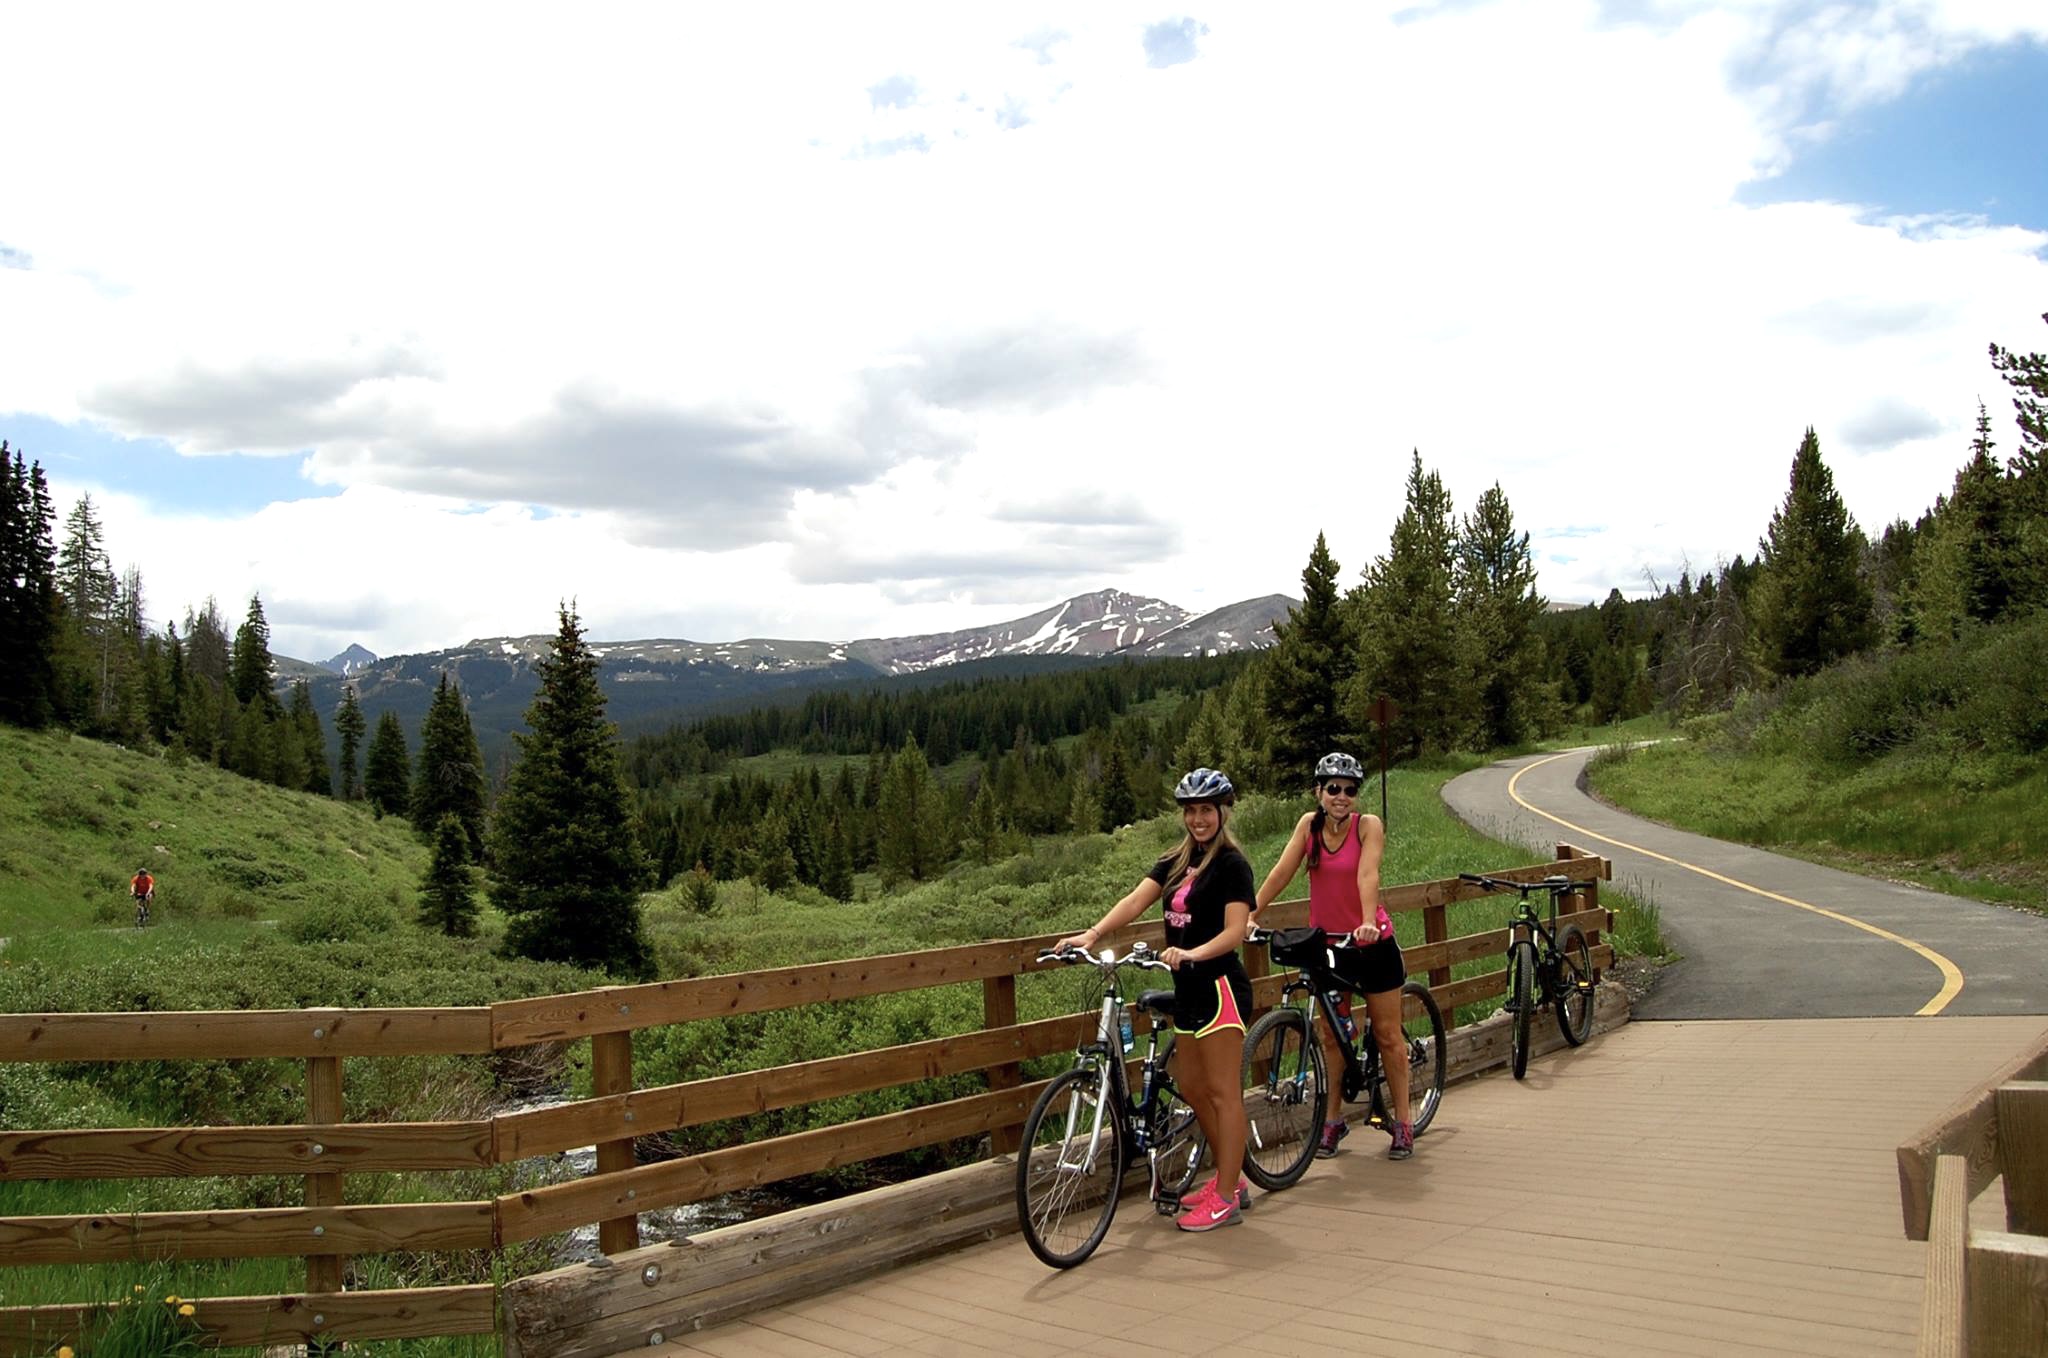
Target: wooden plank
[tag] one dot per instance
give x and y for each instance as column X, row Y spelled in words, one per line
column 1944, row 1301
column 1450, row 890
column 252, row 1232
column 668, row 1107
column 542, row 1211
column 324, row 1272
column 2022, row 1109
column 2008, row 1291
column 618, row 1305
column 999, row 1011
column 611, row 1072
column 1970, row 1129
column 407, row 1313
column 228, row 1035
column 623, row 1008
column 165, row 1152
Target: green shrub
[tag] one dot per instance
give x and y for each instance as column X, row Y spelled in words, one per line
column 339, row 921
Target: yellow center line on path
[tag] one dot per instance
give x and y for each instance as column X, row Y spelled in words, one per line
column 1951, row 974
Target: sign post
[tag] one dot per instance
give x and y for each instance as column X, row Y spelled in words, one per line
column 1383, row 711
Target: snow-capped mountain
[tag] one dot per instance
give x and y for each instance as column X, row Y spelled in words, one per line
column 660, row 680
column 349, row 661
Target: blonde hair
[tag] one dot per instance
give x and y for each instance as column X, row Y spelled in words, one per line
column 1180, row 861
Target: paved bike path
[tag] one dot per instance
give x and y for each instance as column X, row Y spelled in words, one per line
column 1747, row 955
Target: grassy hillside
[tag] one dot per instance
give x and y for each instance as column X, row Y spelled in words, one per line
column 82, row 816
column 1968, row 827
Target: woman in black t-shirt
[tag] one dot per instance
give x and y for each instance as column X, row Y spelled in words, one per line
column 1207, row 885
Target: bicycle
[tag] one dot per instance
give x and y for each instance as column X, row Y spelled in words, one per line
column 1561, row 976
column 1283, row 1061
column 141, row 911
column 1085, row 1127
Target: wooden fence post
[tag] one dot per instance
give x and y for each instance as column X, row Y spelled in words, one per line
column 1436, row 928
column 323, row 1108
column 611, row 1072
column 2023, row 1154
column 999, row 1010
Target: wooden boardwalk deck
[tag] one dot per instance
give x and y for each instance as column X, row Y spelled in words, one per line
column 1673, row 1188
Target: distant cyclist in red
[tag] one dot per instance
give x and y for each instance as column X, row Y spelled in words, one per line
column 142, row 887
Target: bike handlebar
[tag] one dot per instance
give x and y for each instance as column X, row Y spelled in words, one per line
column 1140, row 955
column 1554, row 885
column 1259, row 934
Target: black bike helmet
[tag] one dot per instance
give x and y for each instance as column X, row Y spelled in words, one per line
column 1205, row 785
column 1337, row 764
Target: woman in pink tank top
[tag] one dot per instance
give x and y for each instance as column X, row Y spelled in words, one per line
column 1342, row 848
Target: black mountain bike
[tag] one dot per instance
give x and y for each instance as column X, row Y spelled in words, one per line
column 1283, row 1061
column 1559, row 974
column 1086, row 1127
column 141, row 911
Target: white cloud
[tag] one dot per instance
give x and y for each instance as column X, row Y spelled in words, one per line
column 1094, row 323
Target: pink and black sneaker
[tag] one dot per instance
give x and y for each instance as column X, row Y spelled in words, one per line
column 1206, row 1211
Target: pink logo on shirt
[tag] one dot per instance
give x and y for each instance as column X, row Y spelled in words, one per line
column 1177, row 913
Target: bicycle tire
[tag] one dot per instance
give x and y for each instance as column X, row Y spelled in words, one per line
column 1574, row 986
column 1283, row 1098
column 1070, row 1138
column 1521, row 985
column 1427, row 1061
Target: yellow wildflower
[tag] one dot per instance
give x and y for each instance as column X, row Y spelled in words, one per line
column 187, row 1309
column 64, row 1351
column 170, row 1301
column 138, row 1289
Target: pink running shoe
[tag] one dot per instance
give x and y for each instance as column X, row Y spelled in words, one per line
column 1206, row 1211
column 1244, row 1192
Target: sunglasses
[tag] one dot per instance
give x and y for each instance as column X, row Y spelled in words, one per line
column 1341, row 789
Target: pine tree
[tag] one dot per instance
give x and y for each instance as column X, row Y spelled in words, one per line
column 90, row 596
column 309, row 743
column 986, row 829
column 835, row 878
column 1811, row 604
column 28, row 598
column 1119, row 799
column 2027, row 375
column 349, row 727
column 448, row 777
column 1495, row 590
column 1407, row 624
column 774, row 866
column 387, row 769
column 568, row 866
column 448, row 893
column 205, row 710
column 1309, row 670
column 910, row 820
column 250, row 674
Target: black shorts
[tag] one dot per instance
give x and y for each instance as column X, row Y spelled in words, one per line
column 1204, row 1007
column 1374, row 969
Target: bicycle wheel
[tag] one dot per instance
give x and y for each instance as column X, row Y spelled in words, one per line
column 1574, row 986
column 1521, row 988
column 1179, row 1149
column 1283, row 1098
column 1424, row 1042
column 1071, row 1167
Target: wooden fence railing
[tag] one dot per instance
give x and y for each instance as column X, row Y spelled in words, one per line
column 1986, row 1291
column 324, row 1150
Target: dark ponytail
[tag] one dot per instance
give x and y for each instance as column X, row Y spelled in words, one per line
column 1315, row 835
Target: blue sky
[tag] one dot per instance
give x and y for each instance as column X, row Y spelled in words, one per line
column 834, row 321
column 1972, row 138
column 153, row 471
